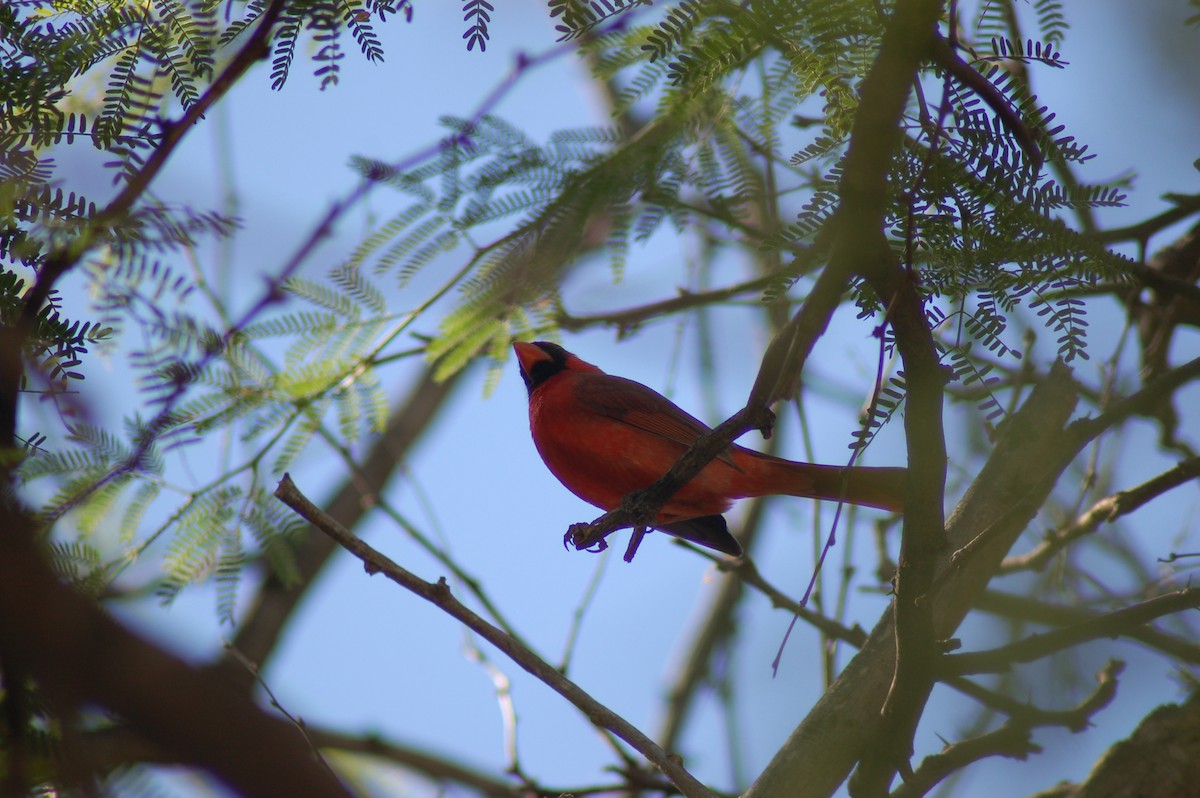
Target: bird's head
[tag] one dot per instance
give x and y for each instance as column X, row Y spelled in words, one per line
column 541, row 361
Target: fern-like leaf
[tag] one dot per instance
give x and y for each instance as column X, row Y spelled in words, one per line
column 479, row 14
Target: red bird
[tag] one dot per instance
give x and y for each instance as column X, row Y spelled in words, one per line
column 606, row 436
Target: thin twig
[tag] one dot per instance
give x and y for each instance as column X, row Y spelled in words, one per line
column 440, row 596
column 295, row 720
column 1113, row 624
column 1012, row 739
column 1076, row 719
column 1026, row 608
column 686, row 300
column 1109, row 509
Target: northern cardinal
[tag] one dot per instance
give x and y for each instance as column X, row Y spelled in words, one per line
column 606, row 436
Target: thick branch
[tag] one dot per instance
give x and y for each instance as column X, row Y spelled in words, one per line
column 1031, row 452
column 862, row 248
column 79, row 655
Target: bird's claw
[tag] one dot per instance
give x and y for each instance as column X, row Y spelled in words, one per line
column 579, row 536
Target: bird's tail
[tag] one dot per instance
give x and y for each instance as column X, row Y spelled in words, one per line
column 869, row 486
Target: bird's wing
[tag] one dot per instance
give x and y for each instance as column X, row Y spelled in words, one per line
column 643, row 408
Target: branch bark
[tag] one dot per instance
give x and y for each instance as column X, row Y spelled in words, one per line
column 439, row 595
column 1034, row 447
column 79, row 656
column 1161, row 759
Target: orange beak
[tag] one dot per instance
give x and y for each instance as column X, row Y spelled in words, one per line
column 529, row 354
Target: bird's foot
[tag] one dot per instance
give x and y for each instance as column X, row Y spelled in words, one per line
column 580, row 537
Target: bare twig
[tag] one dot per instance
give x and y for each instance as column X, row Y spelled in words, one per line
column 1109, row 509
column 748, row 573
column 1012, row 739
column 295, row 720
column 1030, row 609
column 1076, row 719
column 686, row 300
column 439, row 595
column 1113, row 624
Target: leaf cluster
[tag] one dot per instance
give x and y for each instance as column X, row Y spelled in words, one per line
column 973, row 209
column 157, row 65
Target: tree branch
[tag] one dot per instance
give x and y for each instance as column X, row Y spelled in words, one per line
column 79, row 655
column 686, row 300
column 255, row 49
column 1012, row 739
column 439, row 595
column 640, row 508
column 1109, row 509
column 272, row 606
column 945, row 57
column 862, row 245
column 1113, row 624
column 1031, row 451
column 1140, row 403
column 1025, row 608
column 1160, row 758
column 1185, row 205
